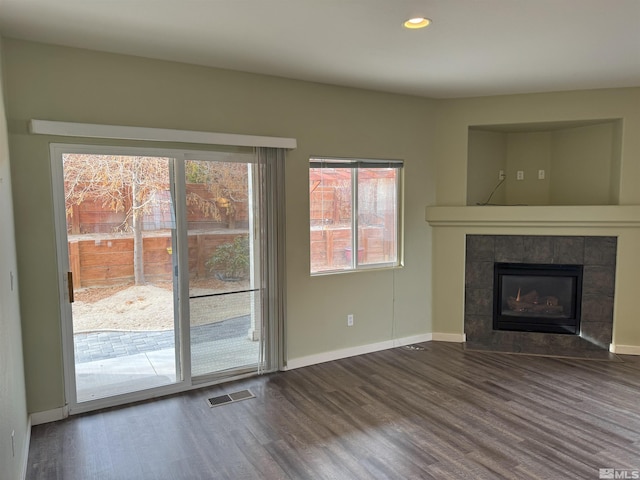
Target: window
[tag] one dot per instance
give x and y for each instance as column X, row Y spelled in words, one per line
column 354, row 207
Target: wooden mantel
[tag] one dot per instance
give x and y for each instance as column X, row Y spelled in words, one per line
column 590, row 216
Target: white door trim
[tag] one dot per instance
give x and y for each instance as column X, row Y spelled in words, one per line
column 60, row 224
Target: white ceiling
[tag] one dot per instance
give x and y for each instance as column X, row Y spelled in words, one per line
column 473, row 47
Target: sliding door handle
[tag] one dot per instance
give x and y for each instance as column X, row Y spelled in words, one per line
column 70, row 285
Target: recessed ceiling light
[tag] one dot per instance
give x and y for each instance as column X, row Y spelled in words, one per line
column 417, row 22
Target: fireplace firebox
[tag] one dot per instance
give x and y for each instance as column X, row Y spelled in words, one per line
column 537, row 297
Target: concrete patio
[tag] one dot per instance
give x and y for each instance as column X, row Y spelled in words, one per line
column 116, row 362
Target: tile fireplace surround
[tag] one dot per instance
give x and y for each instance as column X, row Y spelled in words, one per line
column 598, row 256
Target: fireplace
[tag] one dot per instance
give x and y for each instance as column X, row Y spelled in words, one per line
column 544, row 298
column 596, row 255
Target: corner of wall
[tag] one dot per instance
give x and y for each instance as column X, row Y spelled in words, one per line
column 14, row 422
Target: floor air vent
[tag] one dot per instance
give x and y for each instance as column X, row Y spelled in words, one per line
column 230, row 398
column 413, row 347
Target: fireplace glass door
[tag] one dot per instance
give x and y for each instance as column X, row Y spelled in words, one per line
column 537, row 298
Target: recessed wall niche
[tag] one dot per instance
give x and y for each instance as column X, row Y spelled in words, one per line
column 561, row 163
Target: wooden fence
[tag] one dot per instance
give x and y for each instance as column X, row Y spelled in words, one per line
column 109, row 261
column 93, row 216
column 331, row 246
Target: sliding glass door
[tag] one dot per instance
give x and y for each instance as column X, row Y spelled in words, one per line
column 225, row 288
column 163, row 270
column 120, row 233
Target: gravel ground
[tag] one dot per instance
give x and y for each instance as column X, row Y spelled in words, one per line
column 150, row 307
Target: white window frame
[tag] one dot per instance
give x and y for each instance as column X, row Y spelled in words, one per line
column 355, row 164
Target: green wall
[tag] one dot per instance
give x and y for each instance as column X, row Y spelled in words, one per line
column 13, row 403
column 65, row 84
column 581, row 164
column 586, row 151
column 486, row 156
column 455, row 116
column 527, row 152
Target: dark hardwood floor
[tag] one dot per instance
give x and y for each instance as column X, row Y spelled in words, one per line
column 440, row 413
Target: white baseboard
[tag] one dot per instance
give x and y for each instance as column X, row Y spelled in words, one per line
column 300, row 362
column 401, row 342
column 625, row 349
column 25, row 450
column 38, row 418
column 449, row 337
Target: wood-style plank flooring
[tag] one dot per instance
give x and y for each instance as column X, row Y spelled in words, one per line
column 440, row 413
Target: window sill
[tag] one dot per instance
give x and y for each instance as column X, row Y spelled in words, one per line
column 372, row 268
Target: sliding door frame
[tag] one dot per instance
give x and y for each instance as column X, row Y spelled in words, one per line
column 184, row 380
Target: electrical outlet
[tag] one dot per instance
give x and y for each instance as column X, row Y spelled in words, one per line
column 520, row 175
column 350, row 320
column 540, row 174
column 501, row 175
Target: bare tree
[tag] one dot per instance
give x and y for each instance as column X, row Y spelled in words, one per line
column 226, row 183
column 126, row 184
column 134, row 185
